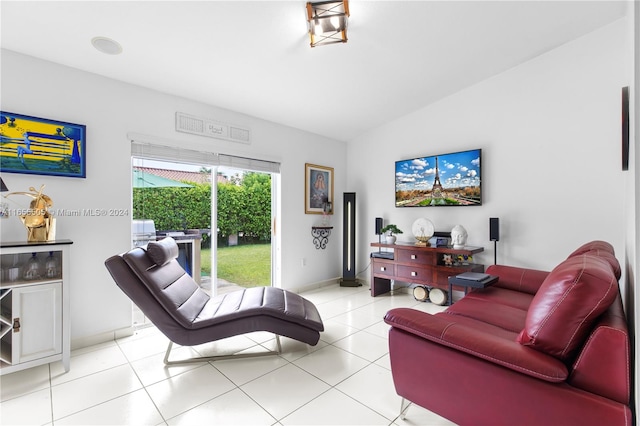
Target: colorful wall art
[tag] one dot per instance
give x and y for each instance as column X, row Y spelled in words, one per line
column 41, row 146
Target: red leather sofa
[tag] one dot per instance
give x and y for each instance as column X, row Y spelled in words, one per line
column 537, row 348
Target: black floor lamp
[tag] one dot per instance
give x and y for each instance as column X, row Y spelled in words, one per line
column 349, row 241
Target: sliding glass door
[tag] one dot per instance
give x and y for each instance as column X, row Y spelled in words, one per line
column 221, row 217
column 244, row 217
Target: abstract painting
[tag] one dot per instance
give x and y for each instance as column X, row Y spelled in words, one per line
column 41, row 146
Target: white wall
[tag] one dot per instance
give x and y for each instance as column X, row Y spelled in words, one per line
column 550, row 134
column 633, row 186
column 111, row 110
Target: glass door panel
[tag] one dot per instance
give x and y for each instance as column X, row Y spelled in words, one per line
column 173, row 199
column 224, row 236
column 244, row 228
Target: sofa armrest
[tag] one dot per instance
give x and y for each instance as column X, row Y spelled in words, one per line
column 603, row 366
column 509, row 354
column 518, row 279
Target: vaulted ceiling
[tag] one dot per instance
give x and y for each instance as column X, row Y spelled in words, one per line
column 254, row 57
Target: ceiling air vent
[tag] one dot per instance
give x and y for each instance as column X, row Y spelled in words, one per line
column 214, row 129
column 239, row 135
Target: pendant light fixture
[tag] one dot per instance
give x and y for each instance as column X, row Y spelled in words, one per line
column 327, row 22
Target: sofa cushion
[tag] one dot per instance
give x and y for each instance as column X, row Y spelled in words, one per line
column 603, row 250
column 522, row 280
column 598, row 246
column 570, row 299
column 479, row 326
column 488, row 312
column 502, row 296
column 163, row 251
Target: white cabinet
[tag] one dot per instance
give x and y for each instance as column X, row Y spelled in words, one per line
column 34, row 314
column 34, row 304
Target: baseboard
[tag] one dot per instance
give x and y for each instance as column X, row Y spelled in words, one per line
column 314, row 286
column 402, row 289
column 96, row 339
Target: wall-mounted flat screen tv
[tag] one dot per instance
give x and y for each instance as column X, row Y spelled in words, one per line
column 452, row 179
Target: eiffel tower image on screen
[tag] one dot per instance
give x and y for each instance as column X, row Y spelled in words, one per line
column 437, row 193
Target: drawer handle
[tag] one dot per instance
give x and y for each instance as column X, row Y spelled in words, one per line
column 414, row 274
column 414, row 257
column 383, row 268
column 16, row 325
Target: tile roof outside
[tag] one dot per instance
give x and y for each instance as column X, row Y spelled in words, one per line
column 181, row 175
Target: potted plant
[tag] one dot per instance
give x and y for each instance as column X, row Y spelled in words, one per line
column 391, row 229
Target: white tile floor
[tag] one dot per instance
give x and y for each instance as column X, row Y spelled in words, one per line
column 344, row 380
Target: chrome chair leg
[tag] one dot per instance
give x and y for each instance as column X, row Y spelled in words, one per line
column 219, row 357
column 278, row 345
column 404, row 407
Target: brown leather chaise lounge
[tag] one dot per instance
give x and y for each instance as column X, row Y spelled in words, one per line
column 154, row 280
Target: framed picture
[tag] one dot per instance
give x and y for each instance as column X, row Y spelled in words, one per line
column 318, row 189
column 40, row 146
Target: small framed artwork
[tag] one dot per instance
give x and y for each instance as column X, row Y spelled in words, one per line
column 318, row 189
column 41, row 146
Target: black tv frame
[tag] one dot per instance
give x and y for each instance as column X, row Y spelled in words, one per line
column 440, row 180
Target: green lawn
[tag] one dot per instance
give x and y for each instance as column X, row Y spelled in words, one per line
column 246, row 265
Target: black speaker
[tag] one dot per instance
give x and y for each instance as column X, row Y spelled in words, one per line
column 378, row 225
column 494, row 229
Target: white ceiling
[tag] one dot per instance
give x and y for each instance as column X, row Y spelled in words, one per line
column 254, row 57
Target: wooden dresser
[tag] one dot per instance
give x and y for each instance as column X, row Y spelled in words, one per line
column 420, row 265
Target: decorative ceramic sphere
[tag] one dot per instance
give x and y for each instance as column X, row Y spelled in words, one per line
column 459, row 237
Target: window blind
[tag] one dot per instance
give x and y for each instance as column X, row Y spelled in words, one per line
column 248, row 163
column 156, row 151
column 169, row 153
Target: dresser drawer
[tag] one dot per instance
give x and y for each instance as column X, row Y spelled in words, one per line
column 418, row 265
column 380, row 268
column 415, row 256
column 444, row 272
column 414, row 274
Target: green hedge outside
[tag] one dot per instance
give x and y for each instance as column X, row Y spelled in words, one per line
column 244, row 208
